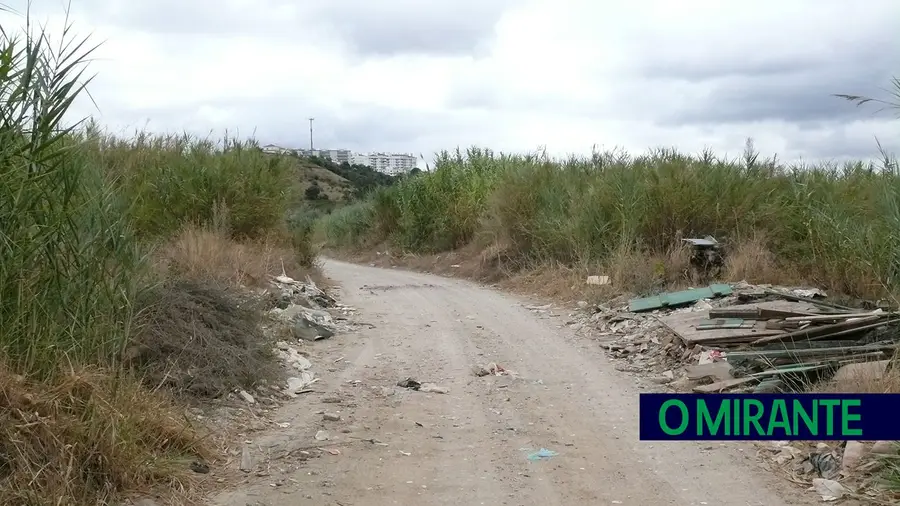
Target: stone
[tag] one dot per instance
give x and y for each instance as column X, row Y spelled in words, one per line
column 863, row 372
column 331, row 417
column 433, row 389
column 307, row 330
column 854, row 452
column 247, row 397
column 886, row 448
column 830, row 490
column 246, row 460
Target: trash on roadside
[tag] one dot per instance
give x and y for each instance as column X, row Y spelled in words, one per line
column 707, row 258
column 787, row 338
column 298, row 384
column 300, row 292
column 306, row 329
column 825, row 464
column 542, row 454
column 489, row 369
column 409, row 383
column 830, row 490
column 431, row 388
column 677, row 299
column 597, row 280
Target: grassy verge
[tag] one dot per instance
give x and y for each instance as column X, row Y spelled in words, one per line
column 120, row 267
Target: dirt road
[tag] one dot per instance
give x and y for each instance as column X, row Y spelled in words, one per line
column 469, row 446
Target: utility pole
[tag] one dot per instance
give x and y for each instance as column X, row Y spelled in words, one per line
column 310, row 134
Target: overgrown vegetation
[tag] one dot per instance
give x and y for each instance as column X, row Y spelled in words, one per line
column 835, row 226
column 117, row 263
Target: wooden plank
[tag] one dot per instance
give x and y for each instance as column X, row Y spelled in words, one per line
column 853, row 330
column 722, row 385
column 829, row 317
column 808, row 352
column 775, row 309
column 781, row 325
column 818, row 302
column 823, row 331
column 685, row 325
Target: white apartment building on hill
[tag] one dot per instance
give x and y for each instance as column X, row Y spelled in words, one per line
column 388, row 163
column 335, row 155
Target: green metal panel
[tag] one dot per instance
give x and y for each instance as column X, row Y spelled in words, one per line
column 676, row 299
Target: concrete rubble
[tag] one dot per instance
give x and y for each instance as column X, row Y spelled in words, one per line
column 781, row 349
column 309, row 314
column 694, row 348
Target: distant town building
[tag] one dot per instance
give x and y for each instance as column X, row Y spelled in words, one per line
column 335, row 155
column 388, row 163
column 276, row 150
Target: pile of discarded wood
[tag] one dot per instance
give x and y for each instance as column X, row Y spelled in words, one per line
column 771, row 341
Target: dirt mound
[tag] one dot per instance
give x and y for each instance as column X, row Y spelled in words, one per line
column 200, row 340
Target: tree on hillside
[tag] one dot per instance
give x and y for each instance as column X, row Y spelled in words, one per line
column 313, row 192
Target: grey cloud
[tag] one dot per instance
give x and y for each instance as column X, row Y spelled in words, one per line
column 283, row 121
column 800, row 99
column 383, row 28
column 804, row 93
column 703, row 70
column 392, row 27
column 789, row 87
column 832, row 142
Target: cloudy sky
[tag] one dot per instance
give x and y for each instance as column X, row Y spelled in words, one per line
column 513, row 75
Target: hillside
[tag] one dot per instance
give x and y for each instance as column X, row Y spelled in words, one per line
column 336, row 183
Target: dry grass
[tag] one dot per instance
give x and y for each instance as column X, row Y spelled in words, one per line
column 639, row 272
column 199, row 340
column 88, row 435
column 882, row 377
column 211, row 255
column 752, row 260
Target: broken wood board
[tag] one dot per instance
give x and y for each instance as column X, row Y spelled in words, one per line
column 817, row 302
column 832, row 330
column 775, row 309
column 832, row 317
column 719, row 386
column 685, row 325
column 807, row 352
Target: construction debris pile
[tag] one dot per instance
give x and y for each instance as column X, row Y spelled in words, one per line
column 306, row 311
column 748, row 338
